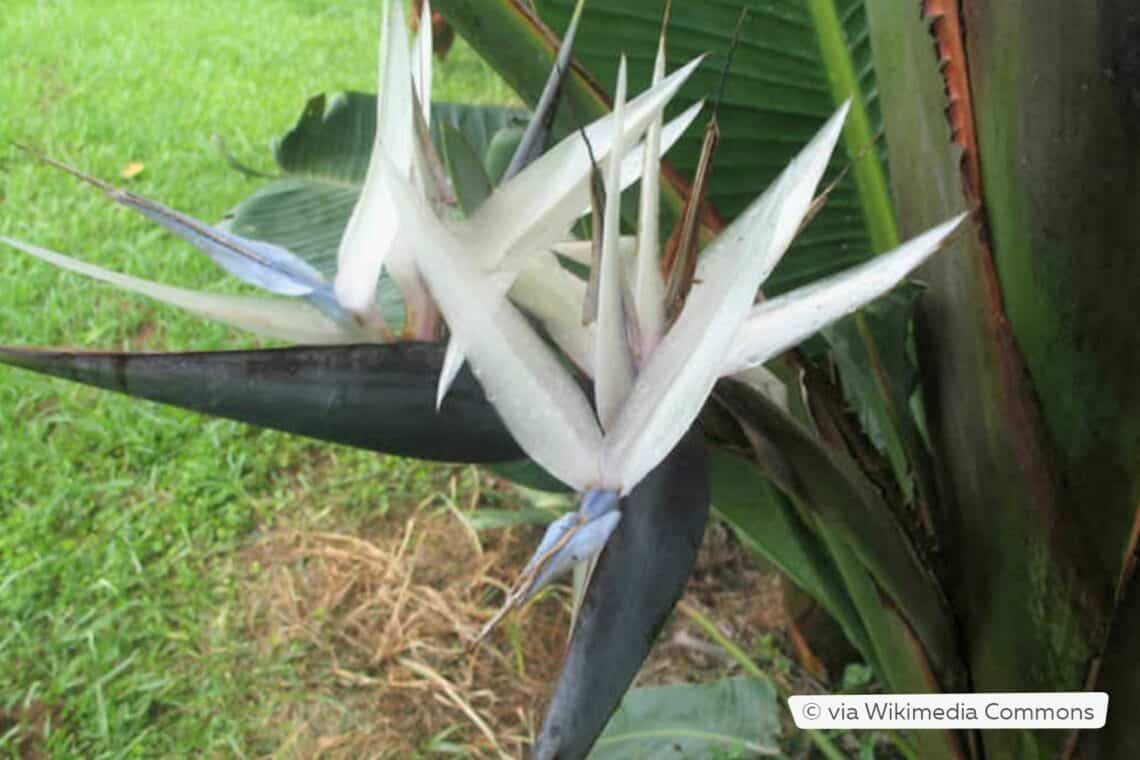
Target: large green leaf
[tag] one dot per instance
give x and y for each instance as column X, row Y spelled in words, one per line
column 731, row 718
column 636, row 582
column 378, row 397
column 776, row 94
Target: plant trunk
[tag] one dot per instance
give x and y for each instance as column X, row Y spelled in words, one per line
column 1027, row 342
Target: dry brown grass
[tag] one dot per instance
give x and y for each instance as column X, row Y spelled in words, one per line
column 376, row 628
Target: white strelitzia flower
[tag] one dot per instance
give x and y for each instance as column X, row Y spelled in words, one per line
column 605, row 448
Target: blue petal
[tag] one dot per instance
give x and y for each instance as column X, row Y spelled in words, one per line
column 597, row 503
column 586, row 540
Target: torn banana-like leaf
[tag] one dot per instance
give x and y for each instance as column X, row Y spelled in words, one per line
column 465, row 168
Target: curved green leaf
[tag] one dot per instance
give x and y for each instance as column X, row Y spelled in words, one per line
column 731, row 718
column 377, row 397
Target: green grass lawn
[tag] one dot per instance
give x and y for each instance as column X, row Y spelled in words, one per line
column 119, row 520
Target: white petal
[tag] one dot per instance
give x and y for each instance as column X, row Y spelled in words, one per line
column 454, row 356
column 555, row 188
column 649, row 286
column 539, row 402
column 581, row 250
column 546, row 290
column 782, row 322
column 613, row 366
column 371, row 230
column 291, row 321
column 674, row 384
column 453, row 359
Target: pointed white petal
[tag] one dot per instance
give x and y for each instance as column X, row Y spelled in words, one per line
column 291, row 321
column 371, row 230
column 555, row 188
column 546, row 290
column 550, row 293
column 453, row 359
column 649, row 286
column 421, row 61
column 674, row 384
column 394, row 102
column 540, row 403
column 613, row 366
column 782, row 322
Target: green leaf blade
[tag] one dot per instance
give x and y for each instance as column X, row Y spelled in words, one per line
column 733, row 717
